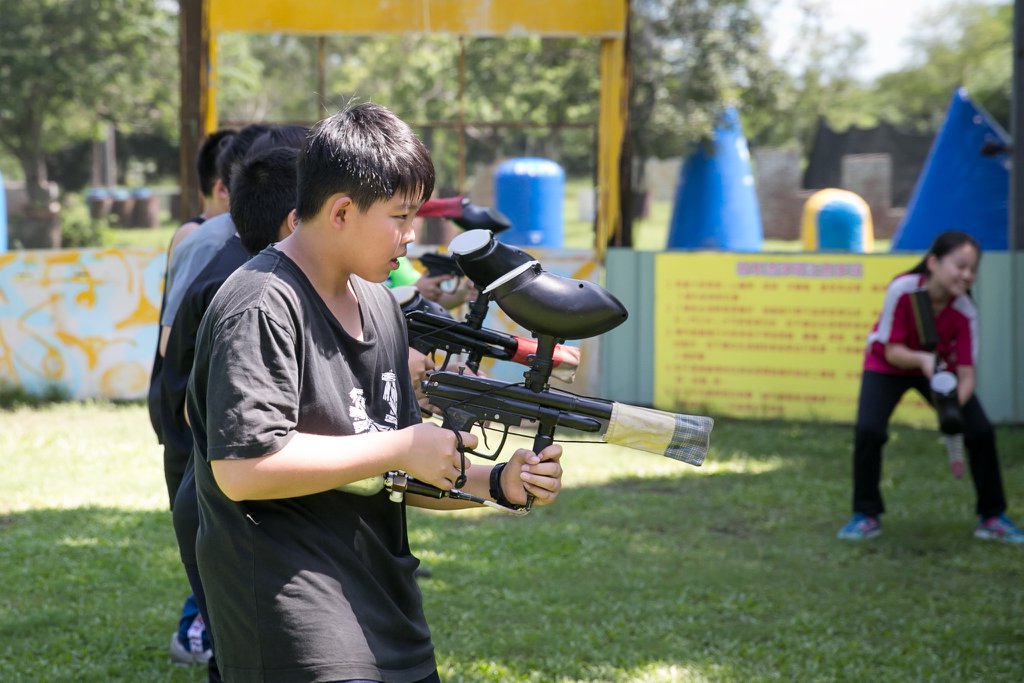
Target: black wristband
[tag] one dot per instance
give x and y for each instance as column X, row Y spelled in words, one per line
column 498, row 493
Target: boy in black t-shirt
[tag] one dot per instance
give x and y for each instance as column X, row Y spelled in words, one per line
column 300, row 387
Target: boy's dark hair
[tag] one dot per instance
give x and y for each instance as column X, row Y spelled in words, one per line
column 942, row 245
column 235, row 149
column 291, row 135
column 206, row 159
column 365, row 152
column 262, row 196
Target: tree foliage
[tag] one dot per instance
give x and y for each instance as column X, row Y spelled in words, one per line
column 815, row 80
column 546, row 89
column 68, row 65
column 690, row 60
column 967, row 44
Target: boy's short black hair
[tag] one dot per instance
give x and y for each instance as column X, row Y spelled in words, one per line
column 262, row 196
column 206, row 159
column 365, row 152
column 289, row 135
column 235, row 149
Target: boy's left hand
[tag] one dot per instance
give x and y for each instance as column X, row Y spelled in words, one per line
column 538, row 474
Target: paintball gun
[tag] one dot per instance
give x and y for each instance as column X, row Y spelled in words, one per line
column 943, row 384
column 440, row 264
column 554, row 309
column 466, row 215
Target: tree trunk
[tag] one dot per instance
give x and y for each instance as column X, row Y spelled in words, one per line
column 33, row 164
column 37, row 224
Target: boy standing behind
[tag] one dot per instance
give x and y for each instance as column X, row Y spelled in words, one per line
column 264, row 192
column 301, row 386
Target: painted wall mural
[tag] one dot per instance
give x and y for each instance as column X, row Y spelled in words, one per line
column 81, row 320
column 85, row 320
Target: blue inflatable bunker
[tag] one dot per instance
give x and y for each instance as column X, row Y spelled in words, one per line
column 964, row 184
column 716, row 204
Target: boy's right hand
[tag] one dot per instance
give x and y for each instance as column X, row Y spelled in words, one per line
column 433, row 456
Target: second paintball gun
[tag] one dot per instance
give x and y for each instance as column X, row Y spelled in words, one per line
column 432, row 328
column 468, row 216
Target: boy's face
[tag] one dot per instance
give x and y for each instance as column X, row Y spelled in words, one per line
column 380, row 235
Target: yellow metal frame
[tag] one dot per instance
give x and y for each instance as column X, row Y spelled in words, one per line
column 604, row 20
column 598, row 18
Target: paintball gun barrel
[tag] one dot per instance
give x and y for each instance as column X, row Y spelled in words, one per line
column 465, row 214
column 466, row 400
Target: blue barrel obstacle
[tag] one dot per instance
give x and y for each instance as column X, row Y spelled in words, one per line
column 716, row 204
column 530, row 191
column 964, row 184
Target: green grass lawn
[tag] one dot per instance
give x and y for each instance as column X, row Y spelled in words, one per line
column 645, row 570
column 141, row 238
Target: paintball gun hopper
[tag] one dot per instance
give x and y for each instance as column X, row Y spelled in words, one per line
column 542, row 302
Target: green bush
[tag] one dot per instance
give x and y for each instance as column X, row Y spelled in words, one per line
column 77, row 228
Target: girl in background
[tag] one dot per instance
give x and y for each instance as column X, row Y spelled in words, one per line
column 896, row 361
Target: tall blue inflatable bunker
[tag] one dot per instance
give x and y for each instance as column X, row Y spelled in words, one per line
column 716, row 203
column 965, row 182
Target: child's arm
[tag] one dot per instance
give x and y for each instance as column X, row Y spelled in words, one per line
column 526, row 472
column 311, row 463
column 903, row 356
column 966, row 381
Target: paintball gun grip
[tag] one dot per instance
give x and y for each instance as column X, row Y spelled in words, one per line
column 542, row 441
column 544, row 438
column 458, row 419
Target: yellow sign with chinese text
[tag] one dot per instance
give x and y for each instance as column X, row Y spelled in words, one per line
column 769, row 335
